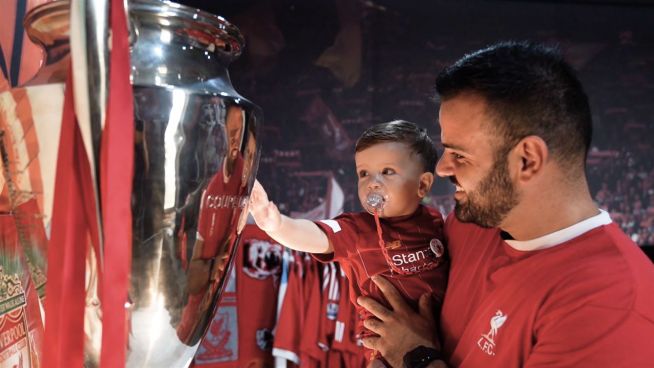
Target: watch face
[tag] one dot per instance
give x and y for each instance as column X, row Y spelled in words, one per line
column 420, row 357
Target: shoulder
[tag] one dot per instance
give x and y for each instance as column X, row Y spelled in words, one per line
column 215, row 183
column 468, row 235
column 432, row 213
column 605, row 268
column 346, row 226
column 598, row 302
column 455, row 226
column 345, row 221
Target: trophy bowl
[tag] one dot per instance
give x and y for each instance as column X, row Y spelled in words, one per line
column 196, row 155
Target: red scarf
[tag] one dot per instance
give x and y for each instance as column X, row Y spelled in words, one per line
column 74, row 221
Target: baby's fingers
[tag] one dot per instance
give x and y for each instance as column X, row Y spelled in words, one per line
column 258, row 197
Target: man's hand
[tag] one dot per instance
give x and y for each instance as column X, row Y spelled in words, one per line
column 265, row 213
column 401, row 329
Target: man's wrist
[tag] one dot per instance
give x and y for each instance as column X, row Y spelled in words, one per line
column 422, row 357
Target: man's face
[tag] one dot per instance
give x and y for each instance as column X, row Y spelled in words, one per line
column 250, row 154
column 234, row 128
column 485, row 193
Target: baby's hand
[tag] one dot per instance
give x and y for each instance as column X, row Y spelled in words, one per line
column 265, row 213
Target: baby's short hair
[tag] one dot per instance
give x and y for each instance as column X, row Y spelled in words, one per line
column 404, row 132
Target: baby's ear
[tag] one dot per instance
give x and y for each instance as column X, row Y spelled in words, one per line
column 424, row 186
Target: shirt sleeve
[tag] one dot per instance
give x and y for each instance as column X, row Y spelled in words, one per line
column 342, row 234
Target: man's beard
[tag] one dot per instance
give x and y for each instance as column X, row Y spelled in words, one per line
column 494, row 197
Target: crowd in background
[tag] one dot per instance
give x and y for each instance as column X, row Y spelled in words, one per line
column 317, row 98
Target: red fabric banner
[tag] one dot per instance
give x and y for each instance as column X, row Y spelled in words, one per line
column 74, row 221
column 116, row 171
column 71, row 232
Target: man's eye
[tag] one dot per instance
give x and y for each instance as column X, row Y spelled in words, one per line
column 363, row 174
column 457, row 156
column 388, row 171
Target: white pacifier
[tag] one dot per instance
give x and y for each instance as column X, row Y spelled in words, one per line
column 375, row 202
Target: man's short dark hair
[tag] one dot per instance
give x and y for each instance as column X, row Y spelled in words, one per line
column 529, row 90
column 404, row 132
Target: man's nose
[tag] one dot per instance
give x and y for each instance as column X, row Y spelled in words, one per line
column 444, row 166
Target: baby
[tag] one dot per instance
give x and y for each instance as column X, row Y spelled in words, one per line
column 396, row 236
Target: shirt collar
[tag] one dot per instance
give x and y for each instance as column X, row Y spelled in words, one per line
column 563, row 235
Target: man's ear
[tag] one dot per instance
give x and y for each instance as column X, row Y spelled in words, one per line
column 424, row 186
column 532, row 154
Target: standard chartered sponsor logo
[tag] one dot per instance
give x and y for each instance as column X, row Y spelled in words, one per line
column 414, row 262
column 408, row 258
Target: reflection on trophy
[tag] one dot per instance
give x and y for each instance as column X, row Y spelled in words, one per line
column 195, row 155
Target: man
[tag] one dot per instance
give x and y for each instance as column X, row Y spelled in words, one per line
column 539, row 276
column 216, row 231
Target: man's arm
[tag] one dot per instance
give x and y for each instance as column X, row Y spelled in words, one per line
column 401, row 329
column 298, row 234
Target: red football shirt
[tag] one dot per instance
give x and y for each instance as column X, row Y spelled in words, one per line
column 345, row 340
column 408, row 238
column 289, row 328
column 219, row 209
column 587, row 302
column 240, row 334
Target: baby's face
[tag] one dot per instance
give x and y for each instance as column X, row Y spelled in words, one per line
column 391, row 170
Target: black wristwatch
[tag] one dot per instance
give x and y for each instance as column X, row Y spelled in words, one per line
column 420, row 357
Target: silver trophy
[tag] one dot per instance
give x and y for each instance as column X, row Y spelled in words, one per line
column 196, row 155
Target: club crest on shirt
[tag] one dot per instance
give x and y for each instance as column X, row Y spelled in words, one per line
column 262, row 259
column 487, row 342
column 437, row 247
column 332, row 311
column 221, row 342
